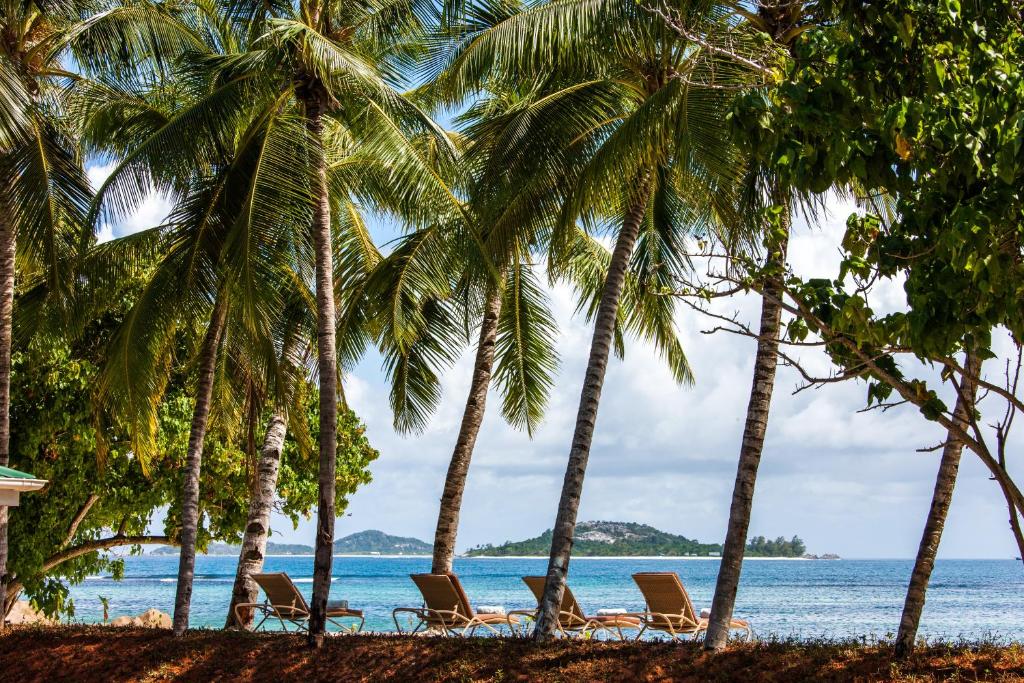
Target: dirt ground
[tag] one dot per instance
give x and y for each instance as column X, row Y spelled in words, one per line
column 94, row 653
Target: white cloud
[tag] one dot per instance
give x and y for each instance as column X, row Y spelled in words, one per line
column 846, row 482
column 152, row 211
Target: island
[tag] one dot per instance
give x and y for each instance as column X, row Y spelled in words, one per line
column 593, row 539
column 370, row 542
column 629, row 539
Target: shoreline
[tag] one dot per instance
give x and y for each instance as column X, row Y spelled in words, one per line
column 530, row 557
column 627, row 557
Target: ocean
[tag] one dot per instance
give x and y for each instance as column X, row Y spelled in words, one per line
column 970, row 599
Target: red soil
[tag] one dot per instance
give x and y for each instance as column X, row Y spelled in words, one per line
column 86, row 654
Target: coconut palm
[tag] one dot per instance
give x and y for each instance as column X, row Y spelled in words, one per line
column 314, row 111
column 220, row 266
column 782, row 22
column 656, row 165
column 357, row 257
column 516, row 347
column 44, row 192
column 515, row 209
column 293, row 357
column 945, row 481
column 323, row 73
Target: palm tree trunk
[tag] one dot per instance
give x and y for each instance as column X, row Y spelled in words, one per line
column 7, row 248
column 586, row 418
column 941, row 498
column 257, row 527
column 472, row 418
column 315, row 100
column 765, row 362
column 194, row 464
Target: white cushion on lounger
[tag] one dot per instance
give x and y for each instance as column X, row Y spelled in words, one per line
column 490, row 609
column 610, row 612
column 705, row 613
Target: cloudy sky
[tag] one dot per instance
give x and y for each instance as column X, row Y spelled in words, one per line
column 846, row 482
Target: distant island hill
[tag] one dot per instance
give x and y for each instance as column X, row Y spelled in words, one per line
column 593, row 539
column 628, row 539
column 371, row 542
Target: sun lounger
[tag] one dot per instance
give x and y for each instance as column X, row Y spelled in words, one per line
column 572, row 621
column 670, row 610
column 447, row 610
column 286, row 604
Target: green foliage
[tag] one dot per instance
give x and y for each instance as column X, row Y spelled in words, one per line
column 920, row 105
column 55, row 427
column 759, row 546
column 53, row 433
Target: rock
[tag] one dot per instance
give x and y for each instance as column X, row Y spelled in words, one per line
column 151, row 618
column 24, row 613
column 154, row 618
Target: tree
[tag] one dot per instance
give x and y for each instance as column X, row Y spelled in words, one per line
column 213, row 255
column 45, row 194
column 655, row 164
column 257, row 527
column 329, row 65
column 945, row 481
column 910, row 128
column 514, row 200
column 782, row 22
column 90, row 505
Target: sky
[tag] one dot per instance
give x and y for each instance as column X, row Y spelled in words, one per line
column 846, row 482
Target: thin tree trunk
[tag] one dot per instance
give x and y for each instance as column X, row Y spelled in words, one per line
column 7, row 249
column 257, row 528
column 1018, row 534
column 586, row 418
column 194, row 464
column 472, row 418
column 84, row 548
column 315, row 99
column 936, row 521
column 765, row 362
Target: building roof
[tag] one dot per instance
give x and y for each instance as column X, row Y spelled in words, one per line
column 10, row 473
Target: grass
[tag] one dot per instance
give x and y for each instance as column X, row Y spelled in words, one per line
column 96, row 653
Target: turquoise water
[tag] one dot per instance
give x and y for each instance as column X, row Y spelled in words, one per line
column 839, row 598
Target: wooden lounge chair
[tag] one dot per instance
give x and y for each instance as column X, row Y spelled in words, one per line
column 572, row 621
column 670, row 610
column 447, row 610
column 286, row 604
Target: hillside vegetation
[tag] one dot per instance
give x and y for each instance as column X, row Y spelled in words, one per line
column 615, row 539
column 359, row 543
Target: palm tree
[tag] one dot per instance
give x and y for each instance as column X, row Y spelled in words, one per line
column 435, row 280
column 358, row 256
column 225, row 248
column 657, row 164
column 330, row 65
column 945, row 481
column 44, row 192
column 516, row 347
column 257, row 526
column 515, row 205
column 782, row 22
